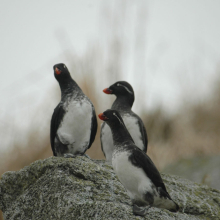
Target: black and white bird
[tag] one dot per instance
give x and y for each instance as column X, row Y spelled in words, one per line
column 123, row 104
column 135, row 169
column 74, row 123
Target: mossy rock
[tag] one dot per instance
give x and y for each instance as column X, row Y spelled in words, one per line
column 81, row 188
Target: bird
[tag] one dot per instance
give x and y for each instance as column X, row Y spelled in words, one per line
column 73, row 124
column 135, row 170
column 123, row 103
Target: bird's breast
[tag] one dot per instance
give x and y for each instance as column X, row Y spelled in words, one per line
column 107, row 142
column 133, row 178
column 133, row 127
column 76, row 124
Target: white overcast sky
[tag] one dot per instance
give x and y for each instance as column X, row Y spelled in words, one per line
column 182, row 41
column 181, row 52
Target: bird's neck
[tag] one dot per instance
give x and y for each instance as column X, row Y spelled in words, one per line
column 122, row 103
column 121, row 135
column 68, row 86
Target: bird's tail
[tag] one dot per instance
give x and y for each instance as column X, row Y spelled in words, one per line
column 175, row 208
column 171, row 205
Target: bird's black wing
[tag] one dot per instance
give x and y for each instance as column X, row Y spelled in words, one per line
column 143, row 132
column 93, row 127
column 54, row 125
column 102, row 127
column 140, row 159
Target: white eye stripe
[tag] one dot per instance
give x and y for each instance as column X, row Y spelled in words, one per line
column 125, row 88
column 118, row 118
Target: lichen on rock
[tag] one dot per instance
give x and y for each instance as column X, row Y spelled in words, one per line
column 81, row 188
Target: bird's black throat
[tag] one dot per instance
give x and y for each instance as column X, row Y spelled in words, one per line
column 68, row 86
column 123, row 103
column 120, row 134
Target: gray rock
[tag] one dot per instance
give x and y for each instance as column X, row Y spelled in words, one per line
column 80, row 188
column 204, row 170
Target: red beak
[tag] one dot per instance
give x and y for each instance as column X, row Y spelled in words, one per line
column 57, row 71
column 102, row 117
column 107, row 91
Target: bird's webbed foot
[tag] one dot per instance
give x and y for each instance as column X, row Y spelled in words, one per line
column 69, row 155
column 141, row 211
column 85, row 155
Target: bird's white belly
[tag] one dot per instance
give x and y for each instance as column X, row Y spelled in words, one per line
column 75, row 128
column 133, row 178
column 107, row 142
column 134, row 130
column 136, row 182
column 132, row 125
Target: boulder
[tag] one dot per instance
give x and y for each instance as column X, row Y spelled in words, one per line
column 82, row 188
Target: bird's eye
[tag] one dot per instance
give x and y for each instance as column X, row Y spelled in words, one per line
column 118, row 84
column 64, row 66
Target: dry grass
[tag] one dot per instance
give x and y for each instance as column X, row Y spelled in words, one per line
column 192, row 132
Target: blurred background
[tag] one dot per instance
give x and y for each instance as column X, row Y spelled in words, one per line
column 169, row 51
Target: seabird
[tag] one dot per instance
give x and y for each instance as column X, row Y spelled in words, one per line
column 74, row 123
column 135, row 169
column 124, row 100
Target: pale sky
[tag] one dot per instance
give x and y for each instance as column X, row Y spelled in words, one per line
column 182, row 36
column 180, row 53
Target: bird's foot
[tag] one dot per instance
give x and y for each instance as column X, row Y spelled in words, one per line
column 108, row 163
column 85, row 155
column 141, row 211
column 68, row 155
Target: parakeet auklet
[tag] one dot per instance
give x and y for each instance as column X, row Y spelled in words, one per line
column 74, row 123
column 124, row 100
column 135, row 169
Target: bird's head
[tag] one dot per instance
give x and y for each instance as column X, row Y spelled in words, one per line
column 120, row 88
column 111, row 117
column 61, row 71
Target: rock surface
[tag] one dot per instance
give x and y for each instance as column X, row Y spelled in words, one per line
column 204, row 170
column 80, row 188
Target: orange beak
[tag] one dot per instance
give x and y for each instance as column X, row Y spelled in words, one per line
column 57, row 71
column 102, row 117
column 107, row 91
